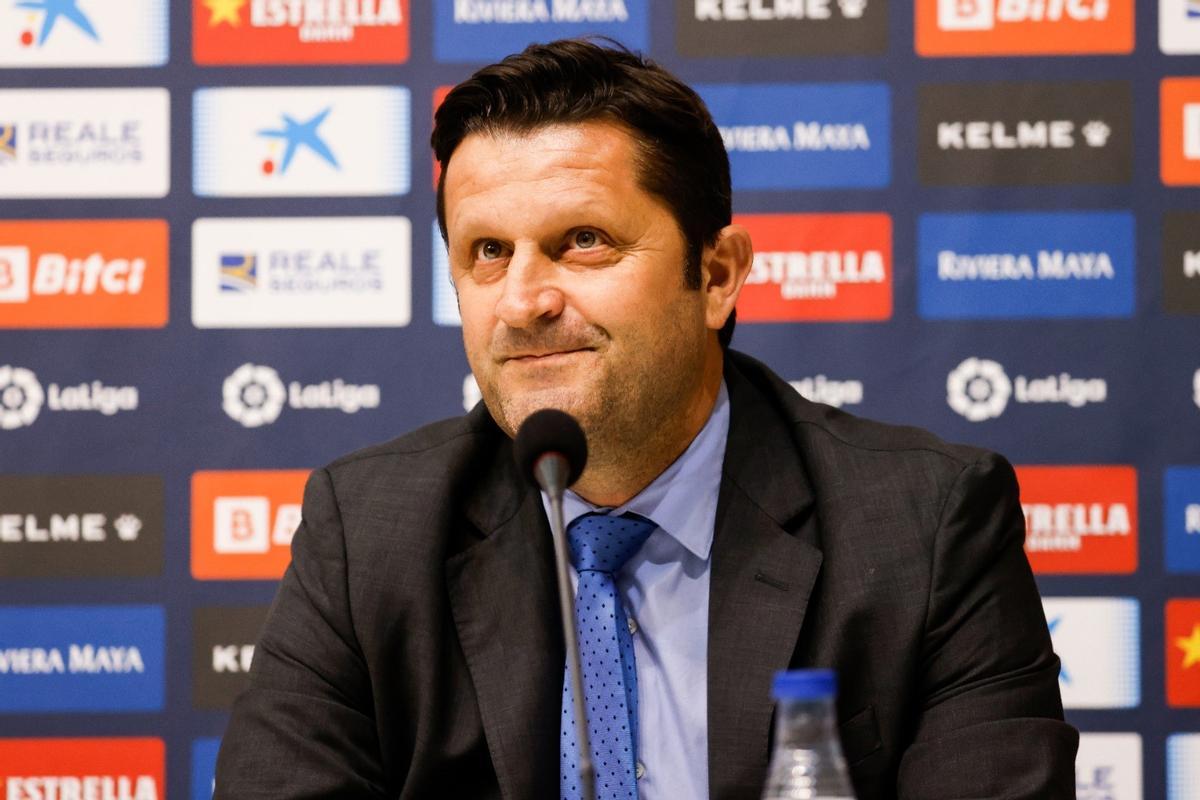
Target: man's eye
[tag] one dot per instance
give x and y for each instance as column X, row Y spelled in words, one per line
column 491, row 249
column 586, row 239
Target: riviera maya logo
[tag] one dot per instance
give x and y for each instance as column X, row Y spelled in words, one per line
column 978, row 389
column 253, row 395
column 21, row 397
column 53, row 11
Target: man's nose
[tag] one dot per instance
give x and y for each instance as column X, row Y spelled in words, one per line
column 531, row 290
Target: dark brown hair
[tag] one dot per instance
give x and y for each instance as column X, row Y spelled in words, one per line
column 681, row 158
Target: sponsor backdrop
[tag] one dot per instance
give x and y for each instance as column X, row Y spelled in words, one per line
column 217, row 271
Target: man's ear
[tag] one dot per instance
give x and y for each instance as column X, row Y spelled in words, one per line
column 723, row 270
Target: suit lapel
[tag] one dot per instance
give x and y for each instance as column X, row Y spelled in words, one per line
column 502, row 595
column 765, row 562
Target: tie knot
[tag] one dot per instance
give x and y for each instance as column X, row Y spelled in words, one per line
column 603, row 543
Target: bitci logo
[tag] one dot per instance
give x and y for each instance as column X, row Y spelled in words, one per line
column 75, row 769
column 301, row 141
column 1023, row 27
column 83, row 274
column 1183, row 653
column 83, row 33
column 289, row 32
column 810, row 267
column 1080, row 519
column 243, row 522
column 1180, row 131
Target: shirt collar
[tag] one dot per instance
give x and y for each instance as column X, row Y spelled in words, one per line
column 682, row 500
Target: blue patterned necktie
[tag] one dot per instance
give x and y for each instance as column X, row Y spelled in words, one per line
column 600, row 545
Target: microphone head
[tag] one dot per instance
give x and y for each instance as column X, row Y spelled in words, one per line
column 550, row 431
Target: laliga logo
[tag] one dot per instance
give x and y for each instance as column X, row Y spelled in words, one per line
column 978, row 389
column 21, row 397
column 253, row 395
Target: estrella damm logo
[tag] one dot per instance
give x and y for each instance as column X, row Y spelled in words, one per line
column 243, row 522
column 818, row 267
column 1023, row 27
column 804, row 136
column 83, row 274
column 75, row 769
column 83, row 33
column 480, row 31
column 1179, row 129
column 1012, row 265
column 1080, row 519
column 283, row 32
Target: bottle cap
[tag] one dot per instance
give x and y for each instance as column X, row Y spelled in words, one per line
column 804, row 684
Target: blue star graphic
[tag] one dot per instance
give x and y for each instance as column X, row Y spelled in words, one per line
column 1063, row 675
column 302, row 133
column 59, row 8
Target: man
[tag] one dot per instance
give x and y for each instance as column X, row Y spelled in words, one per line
column 414, row 647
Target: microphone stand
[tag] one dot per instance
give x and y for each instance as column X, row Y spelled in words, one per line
column 551, row 470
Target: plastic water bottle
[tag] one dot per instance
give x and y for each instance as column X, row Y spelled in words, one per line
column 807, row 763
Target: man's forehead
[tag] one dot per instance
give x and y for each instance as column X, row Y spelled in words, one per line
column 589, row 159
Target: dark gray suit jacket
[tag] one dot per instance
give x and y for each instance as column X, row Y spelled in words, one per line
column 413, row 649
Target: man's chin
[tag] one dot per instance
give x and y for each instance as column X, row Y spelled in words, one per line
column 516, row 410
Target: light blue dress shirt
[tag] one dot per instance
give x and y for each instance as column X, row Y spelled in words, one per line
column 664, row 587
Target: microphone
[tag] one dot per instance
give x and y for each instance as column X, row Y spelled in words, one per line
column 551, row 451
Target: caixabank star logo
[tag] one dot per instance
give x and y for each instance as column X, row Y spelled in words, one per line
column 289, row 32
column 301, row 141
column 83, row 33
column 1023, row 27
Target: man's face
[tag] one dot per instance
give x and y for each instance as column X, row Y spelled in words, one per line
column 570, row 282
